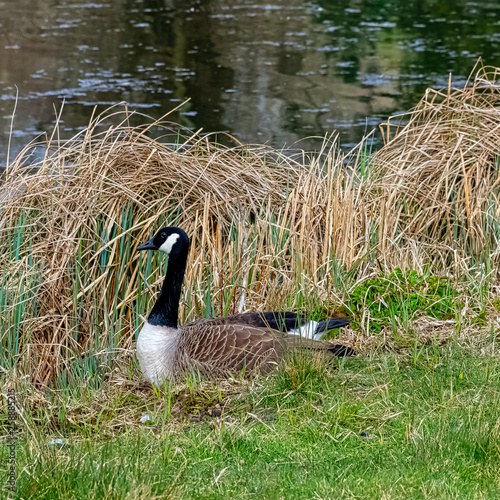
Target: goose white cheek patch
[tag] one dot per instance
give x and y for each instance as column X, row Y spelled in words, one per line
column 169, row 243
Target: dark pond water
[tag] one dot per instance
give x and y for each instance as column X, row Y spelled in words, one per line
column 267, row 72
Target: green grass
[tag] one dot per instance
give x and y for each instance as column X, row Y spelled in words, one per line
column 385, row 426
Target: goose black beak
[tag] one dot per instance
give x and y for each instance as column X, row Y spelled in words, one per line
column 149, row 245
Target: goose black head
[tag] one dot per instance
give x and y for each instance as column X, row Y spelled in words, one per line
column 171, row 240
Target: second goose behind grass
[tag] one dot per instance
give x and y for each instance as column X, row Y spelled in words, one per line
column 218, row 347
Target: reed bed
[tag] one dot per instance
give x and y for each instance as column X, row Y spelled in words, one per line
column 440, row 168
column 268, row 229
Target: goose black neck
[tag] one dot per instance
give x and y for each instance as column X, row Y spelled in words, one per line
column 165, row 312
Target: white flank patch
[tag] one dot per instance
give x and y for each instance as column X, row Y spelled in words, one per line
column 307, row 331
column 169, row 243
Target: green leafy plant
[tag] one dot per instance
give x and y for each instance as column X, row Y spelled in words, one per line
column 402, row 294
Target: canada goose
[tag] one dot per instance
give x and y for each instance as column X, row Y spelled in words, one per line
column 219, row 346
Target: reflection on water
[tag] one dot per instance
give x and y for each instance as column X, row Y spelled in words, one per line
column 271, row 72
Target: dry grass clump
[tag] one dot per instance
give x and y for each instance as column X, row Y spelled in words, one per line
column 439, row 172
column 70, row 230
column 268, row 230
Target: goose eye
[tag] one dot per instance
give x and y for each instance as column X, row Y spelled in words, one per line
column 163, row 235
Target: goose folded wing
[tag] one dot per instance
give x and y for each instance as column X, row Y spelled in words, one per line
column 227, row 348
column 276, row 321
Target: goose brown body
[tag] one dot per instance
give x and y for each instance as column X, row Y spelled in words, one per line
column 216, row 347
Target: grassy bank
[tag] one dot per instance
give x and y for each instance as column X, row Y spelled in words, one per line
column 383, row 426
column 404, row 241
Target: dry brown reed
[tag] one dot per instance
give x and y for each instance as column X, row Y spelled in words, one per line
column 439, row 169
column 71, row 211
column 267, row 229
